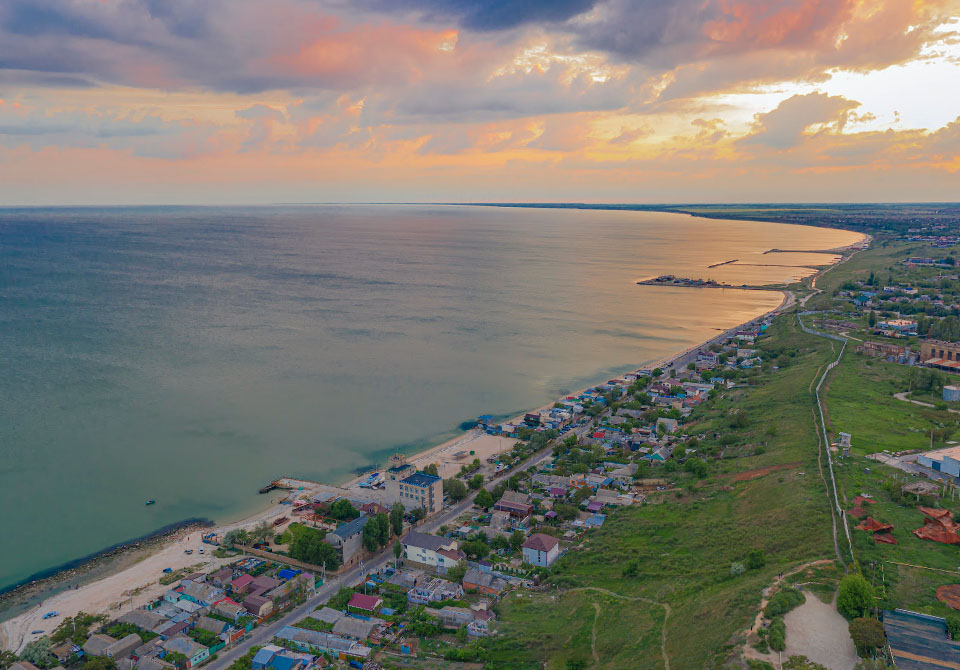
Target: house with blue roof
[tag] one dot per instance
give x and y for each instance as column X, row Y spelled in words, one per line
column 422, row 490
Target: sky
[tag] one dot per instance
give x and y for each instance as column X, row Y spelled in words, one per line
column 645, row 101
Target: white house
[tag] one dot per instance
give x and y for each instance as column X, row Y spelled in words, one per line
column 432, row 551
column 542, row 550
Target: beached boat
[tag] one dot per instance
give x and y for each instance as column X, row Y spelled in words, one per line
column 150, row 502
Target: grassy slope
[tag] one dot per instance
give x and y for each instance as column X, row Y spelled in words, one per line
column 859, row 400
column 685, row 546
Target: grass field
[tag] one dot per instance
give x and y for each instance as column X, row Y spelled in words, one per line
column 683, row 547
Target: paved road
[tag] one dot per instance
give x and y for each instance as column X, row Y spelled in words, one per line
column 264, row 634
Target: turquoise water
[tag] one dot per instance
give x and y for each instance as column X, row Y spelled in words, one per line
column 193, row 354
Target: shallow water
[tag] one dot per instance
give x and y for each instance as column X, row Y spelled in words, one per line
column 193, row 354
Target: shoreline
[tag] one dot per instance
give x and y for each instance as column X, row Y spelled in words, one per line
column 14, row 631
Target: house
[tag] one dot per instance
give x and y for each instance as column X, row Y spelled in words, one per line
column 348, row 540
column 435, row 590
column 210, row 625
column 23, row 665
column 356, row 628
column 432, row 551
column 541, row 550
column 302, row 583
column 221, row 578
column 483, row 582
column 96, row 645
column 202, row 594
column 123, row 647
column 229, row 609
column 328, row 615
column 264, row 657
column 196, row 653
column 422, row 490
column 518, row 510
column 317, row 642
column 364, row 603
column 148, row 649
column 152, row 663
column 143, row 619
column 242, row 584
column 945, row 460
column 258, row 605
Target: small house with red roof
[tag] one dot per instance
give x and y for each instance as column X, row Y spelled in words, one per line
column 364, row 604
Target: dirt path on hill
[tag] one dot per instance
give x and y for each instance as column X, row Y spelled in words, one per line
column 663, row 631
column 593, row 641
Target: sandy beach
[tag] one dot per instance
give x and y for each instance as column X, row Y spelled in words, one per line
column 138, row 583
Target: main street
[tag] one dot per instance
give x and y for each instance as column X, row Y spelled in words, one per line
column 264, row 634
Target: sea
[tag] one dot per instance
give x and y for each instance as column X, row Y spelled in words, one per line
column 191, row 355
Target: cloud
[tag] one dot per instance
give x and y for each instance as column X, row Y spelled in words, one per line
column 783, row 128
column 486, row 15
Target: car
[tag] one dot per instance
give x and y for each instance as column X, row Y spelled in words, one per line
column 167, row 571
column 188, row 551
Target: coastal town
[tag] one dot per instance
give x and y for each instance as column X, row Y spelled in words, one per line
column 448, row 558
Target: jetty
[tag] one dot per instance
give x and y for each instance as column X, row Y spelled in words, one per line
column 672, row 280
column 734, row 260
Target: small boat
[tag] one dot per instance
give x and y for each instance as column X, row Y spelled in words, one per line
column 150, row 502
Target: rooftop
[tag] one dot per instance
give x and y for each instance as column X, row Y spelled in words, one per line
column 421, row 479
column 540, row 542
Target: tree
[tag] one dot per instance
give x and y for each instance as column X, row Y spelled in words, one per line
column 855, row 596
column 476, row 481
column 484, row 499
column 657, row 372
column 7, row 658
column 432, row 470
column 175, row 658
column 476, row 548
column 756, row 559
column 262, row 533
column 370, row 536
column 396, row 519
column 38, row 653
column 342, row 510
column 457, row 572
column 517, row 538
column 383, row 528
column 872, row 318
column 499, row 542
column 582, row 494
column 867, row 635
column 576, row 664
column 455, row 488
column 308, row 546
column 462, row 634
column 418, row 514
column 777, row 635
column 397, row 550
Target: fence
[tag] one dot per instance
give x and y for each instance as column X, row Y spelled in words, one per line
column 823, row 428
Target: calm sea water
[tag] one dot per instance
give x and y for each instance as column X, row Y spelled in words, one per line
column 193, row 354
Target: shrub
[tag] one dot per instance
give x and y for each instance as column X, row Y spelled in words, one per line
column 782, row 602
column 737, row 569
column 777, row 637
column 867, row 635
column 953, row 626
column 756, row 559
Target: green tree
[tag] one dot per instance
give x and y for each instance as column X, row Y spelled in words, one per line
column 308, row 546
column 582, row 494
column 457, row 572
column 7, row 658
column 342, row 510
column 872, row 319
column 38, row 653
column 576, row 664
column 517, row 538
column 383, row 528
column 418, row 514
column 756, row 559
column 476, row 481
column 484, row 499
column 867, row 635
column 455, row 488
column 396, row 518
column 397, row 550
column 855, row 596
column 339, row 601
column 262, row 532
column 777, row 635
column 432, row 470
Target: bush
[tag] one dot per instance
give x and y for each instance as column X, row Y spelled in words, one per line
column 737, row 569
column 782, row 602
column 756, row 559
column 867, row 635
column 953, row 626
column 777, row 637
column 855, row 597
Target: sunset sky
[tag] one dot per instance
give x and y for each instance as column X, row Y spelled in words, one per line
column 247, row 101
